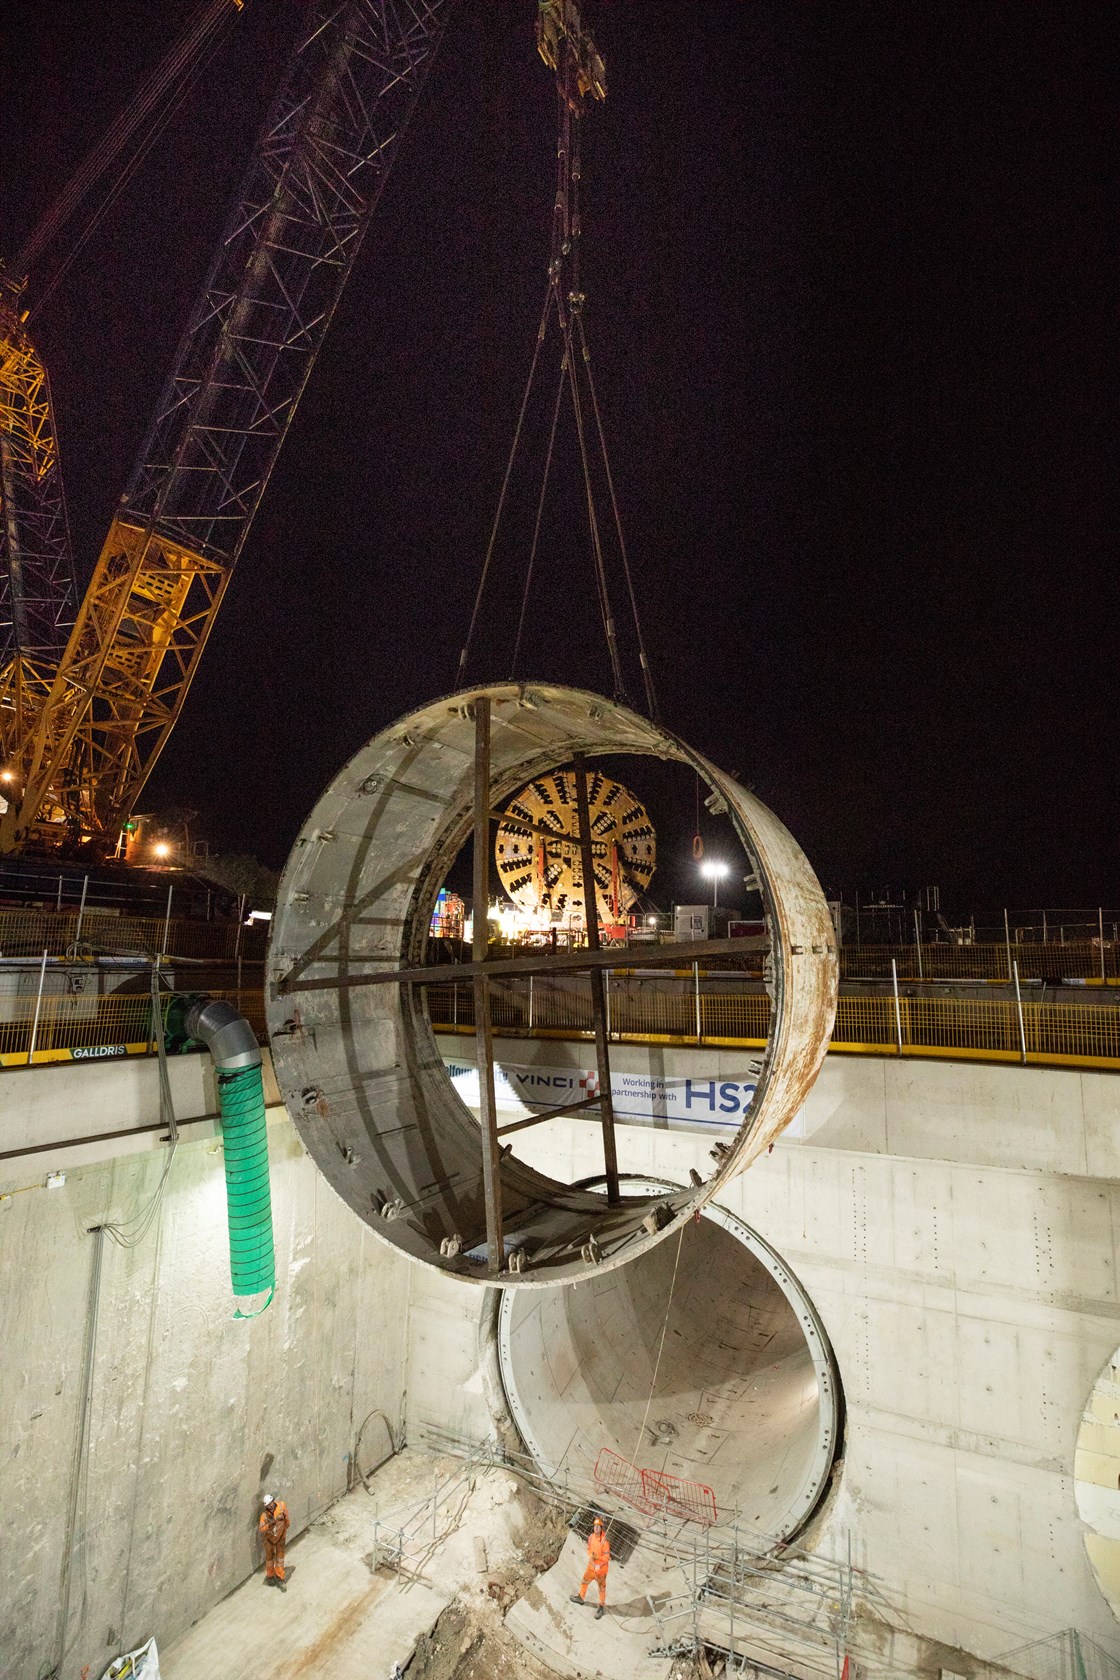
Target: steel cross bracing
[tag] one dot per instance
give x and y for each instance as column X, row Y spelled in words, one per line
column 287, row 250
column 37, row 592
column 488, row 1113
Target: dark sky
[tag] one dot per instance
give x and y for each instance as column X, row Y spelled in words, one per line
column 852, row 297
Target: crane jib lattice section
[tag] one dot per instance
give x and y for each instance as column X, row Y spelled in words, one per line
column 654, row 1492
column 93, row 730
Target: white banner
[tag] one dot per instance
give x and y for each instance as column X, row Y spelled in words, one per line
column 697, row 1099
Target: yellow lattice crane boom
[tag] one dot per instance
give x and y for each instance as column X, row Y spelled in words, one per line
column 37, row 590
column 85, row 726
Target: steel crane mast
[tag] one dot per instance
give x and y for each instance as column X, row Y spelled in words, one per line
column 38, row 594
column 288, row 247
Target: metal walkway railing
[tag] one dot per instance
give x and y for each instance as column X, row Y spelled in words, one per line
column 710, row 1011
column 71, row 1024
column 97, row 931
column 70, row 1018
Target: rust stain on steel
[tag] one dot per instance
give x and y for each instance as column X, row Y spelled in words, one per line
column 366, row 900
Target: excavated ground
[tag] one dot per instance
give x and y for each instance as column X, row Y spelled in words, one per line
column 470, row 1641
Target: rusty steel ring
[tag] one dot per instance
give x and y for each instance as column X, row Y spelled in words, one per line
column 358, row 1064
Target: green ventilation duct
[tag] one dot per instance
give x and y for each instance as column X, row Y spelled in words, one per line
column 232, row 1043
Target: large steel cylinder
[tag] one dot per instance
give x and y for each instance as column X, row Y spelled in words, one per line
column 358, row 1063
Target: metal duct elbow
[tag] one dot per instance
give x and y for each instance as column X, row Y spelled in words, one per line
column 225, row 1032
column 232, row 1043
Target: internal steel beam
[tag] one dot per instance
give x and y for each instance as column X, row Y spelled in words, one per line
column 484, row 1042
column 549, row 1114
column 598, row 999
column 513, row 968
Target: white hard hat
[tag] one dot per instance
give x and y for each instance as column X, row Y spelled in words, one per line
column 268, row 1498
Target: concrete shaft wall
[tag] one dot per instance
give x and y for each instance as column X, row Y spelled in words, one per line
column 955, row 1225
column 956, row 1228
column 192, row 1412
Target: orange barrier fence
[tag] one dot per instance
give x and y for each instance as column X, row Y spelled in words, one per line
column 654, row 1492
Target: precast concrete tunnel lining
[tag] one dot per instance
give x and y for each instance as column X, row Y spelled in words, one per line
column 721, row 1376
column 356, row 1057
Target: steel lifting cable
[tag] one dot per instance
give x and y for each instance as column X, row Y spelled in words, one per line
column 574, row 229
column 480, row 591
column 182, row 65
column 559, row 240
column 568, row 188
column 660, row 1348
column 647, row 673
column 537, row 525
column 564, row 295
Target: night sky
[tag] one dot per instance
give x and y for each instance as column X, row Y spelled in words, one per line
column 851, row 277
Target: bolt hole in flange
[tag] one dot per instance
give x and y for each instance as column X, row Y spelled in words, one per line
column 385, row 1125
column 746, row 1399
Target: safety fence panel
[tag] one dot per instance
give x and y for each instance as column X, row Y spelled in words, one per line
column 69, row 1027
column 1086, row 1033
column 95, row 931
column 966, row 1024
column 1083, row 959
column 654, row 1492
column 1070, row 1029
column 668, row 1012
column 66, row 1023
column 744, row 1015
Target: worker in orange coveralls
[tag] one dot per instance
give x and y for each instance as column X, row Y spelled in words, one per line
column 598, row 1562
column 274, row 1526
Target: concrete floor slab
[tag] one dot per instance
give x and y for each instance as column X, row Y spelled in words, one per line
column 567, row 1636
column 337, row 1618
column 340, row 1618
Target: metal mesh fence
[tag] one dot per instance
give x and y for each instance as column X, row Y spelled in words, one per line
column 716, row 1012
column 28, row 933
column 76, row 1023
column 1082, row 959
column 1068, row 1655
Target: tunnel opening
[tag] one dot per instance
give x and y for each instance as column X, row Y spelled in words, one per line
column 703, row 1360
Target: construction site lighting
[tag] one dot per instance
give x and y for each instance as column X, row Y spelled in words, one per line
column 715, row 870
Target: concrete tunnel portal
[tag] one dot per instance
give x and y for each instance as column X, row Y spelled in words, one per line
column 703, row 1358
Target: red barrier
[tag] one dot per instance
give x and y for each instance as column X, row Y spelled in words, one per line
column 654, row 1491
